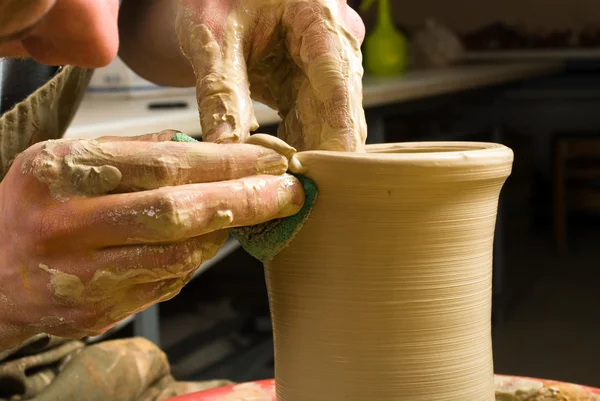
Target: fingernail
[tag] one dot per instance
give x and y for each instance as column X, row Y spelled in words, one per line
column 272, row 164
column 290, row 196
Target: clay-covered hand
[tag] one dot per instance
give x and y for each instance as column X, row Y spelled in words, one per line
column 300, row 57
column 95, row 230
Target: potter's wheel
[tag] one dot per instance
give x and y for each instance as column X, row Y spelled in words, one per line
column 505, row 386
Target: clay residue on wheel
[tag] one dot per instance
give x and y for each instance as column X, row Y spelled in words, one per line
column 524, row 389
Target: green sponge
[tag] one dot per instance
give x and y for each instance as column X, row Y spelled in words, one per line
column 264, row 241
column 179, row 137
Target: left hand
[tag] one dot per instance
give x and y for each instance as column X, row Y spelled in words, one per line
column 300, row 57
column 99, row 229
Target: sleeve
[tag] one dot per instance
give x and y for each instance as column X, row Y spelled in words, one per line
column 44, row 115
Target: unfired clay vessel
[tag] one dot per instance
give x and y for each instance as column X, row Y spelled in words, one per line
column 385, row 293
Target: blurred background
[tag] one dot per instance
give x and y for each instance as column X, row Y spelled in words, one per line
column 525, row 73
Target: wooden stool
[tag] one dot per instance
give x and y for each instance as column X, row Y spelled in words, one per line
column 576, row 180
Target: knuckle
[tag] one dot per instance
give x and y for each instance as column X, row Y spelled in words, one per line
column 182, row 258
column 177, row 255
column 46, row 160
column 32, row 156
column 170, row 213
column 210, row 249
column 301, row 14
column 251, row 198
column 166, row 205
column 185, row 257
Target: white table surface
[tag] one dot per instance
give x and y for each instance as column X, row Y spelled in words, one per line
column 99, row 117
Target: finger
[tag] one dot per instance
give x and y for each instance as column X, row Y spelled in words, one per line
column 330, row 57
column 128, row 279
column 94, row 318
column 301, row 126
column 269, row 68
column 222, row 90
column 153, row 263
column 146, row 295
column 176, row 213
column 145, row 165
column 162, row 136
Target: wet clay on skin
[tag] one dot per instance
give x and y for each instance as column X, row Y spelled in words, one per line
column 298, row 58
column 281, row 147
column 73, row 169
column 118, row 284
column 87, row 167
column 65, row 176
column 385, row 293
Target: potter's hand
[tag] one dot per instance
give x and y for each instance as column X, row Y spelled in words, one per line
column 300, row 57
column 93, row 231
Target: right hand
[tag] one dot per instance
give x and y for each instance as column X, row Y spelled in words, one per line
column 94, row 231
column 300, row 57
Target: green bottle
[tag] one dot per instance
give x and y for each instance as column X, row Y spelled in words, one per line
column 385, row 47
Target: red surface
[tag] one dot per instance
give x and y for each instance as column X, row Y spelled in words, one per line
column 259, row 391
column 265, row 391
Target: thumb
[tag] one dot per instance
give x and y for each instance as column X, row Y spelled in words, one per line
column 216, row 54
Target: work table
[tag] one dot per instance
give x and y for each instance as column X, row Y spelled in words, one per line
column 100, row 117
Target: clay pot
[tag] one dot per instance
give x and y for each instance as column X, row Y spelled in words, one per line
column 385, row 293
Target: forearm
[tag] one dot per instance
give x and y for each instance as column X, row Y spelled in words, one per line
column 149, row 45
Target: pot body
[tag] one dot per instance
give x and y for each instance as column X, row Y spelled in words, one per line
column 385, row 293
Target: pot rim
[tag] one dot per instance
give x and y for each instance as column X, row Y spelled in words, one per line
column 423, row 153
